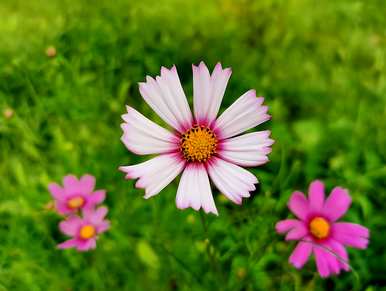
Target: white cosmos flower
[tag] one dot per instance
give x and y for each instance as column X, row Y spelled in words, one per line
column 201, row 145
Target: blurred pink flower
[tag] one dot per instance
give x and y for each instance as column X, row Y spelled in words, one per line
column 84, row 231
column 200, row 145
column 319, row 232
column 76, row 194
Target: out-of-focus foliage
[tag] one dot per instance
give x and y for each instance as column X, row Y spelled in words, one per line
column 321, row 66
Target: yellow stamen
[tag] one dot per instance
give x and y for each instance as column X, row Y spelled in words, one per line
column 87, row 231
column 75, row 202
column 198, row 144
column 319, row 227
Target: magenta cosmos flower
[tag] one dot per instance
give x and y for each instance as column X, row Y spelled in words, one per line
column 84, row 231
column 319, row 232
column 76, row 194
column 200, row 144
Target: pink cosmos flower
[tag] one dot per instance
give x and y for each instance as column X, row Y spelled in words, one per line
column 84, row 231
column 76, row 194
column 319, row 232
column 201, row 145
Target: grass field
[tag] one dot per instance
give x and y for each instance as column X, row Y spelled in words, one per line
column 321, row 66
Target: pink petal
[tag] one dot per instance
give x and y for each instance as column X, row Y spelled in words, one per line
column 86, row 245
column 86, row 184
column 316, row 195
column 300, row 254
column 103, row 226
column 247, row 150
column 327, row 260
column 337, row 204
column 56, row 191
column 247, row 112
column 70, row 226
column 95, row 216
column 299, row 206
column 155, row 174
column 68, row 244
column 297, row 233
column 143, row 137
column 71, row 184
column 322, row 263
column 339, row 250
column 351, row 234
column 233, row 181
column 194, row 190
column 97, row 197
column 166, row 97
column 61, row 207
column 286, row 225
column 208, row 91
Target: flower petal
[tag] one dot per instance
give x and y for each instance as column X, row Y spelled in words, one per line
column 298, row 232
column 70, row 226
column 155, row 174
column 340, row 251
column 143, row 137
column 194, row 190
column 327, row 261
column 56, row 191
column 167, row 98
column 245, row 113
column 97, row 197
column 86, row 184
column 68, row 244
column 298, row 204
column 208, row 91
column 337, row 203
column 71, row 184
column 96, row 216
column 103, row 226
column 286, row 225
column 233, row 181
column 85, row 245
column 300, row 254
column 351, row 234
column 321, row 262
column 316, row 195
column 247, row 150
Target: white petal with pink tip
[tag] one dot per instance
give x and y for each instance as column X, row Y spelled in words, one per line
column 155, row 174
column 245, row 113
column 143, row 137
column 194, row 190
column 247, row 150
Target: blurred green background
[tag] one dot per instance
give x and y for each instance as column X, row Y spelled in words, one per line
column 67, row 69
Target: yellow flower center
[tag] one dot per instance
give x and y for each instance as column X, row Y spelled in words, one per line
column 75, row 202
column 87, row 231
column 319, row 227
column 198, row 144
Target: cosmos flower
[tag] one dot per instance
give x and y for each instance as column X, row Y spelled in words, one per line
column 200, row 145
column 76, row 194
column 84, row 231
column 318, row 231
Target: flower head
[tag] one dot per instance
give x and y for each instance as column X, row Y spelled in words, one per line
column 318, row 231
column 201, row 145
column 84, row 231
column 76, row 194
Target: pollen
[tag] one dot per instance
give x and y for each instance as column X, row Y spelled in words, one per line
column 75, row 202
column 319, row 227
column 198, row 144
column 87, row 231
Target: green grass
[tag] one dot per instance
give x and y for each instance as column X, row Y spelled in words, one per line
column 321, row 66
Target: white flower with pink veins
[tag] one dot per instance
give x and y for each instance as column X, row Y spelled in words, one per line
column 200, row 144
